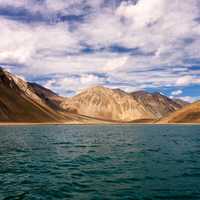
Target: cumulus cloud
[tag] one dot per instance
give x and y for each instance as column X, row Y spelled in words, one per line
column 19, row 3
column 176, row 93
column 22, row 43
column 187, row 80
column 137, row 44
column 74, row 84
column 189, row 98
column 141, row 13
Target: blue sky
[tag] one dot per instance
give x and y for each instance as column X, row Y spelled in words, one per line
column 70, row 45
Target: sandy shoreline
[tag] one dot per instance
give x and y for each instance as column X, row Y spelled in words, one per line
column 92, row 124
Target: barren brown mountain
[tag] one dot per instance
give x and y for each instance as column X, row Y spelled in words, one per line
column 30, row 103
column 181, row 102
column 157, row 103
column 49, row 97
column 115, row 104
column 188, row 114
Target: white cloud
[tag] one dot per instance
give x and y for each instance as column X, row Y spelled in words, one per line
column 115, row 63
column 19, row 3
column 165, row 35
column 101, row 30
column 187, row 80
column 22, row 43
column 74, row 83
column 144, row 12
column 176, row 93
column 189, row 98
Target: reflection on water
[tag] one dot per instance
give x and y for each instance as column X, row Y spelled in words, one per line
column 100, row 162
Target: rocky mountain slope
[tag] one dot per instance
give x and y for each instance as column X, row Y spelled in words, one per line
column 117, row 105
column 49, row 97
column 181, row 102
column 188, row 114
column 18, row 103
column 24, row 102
column 156, row 103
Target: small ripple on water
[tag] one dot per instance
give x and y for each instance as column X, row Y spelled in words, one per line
column 193, row 175
column 177, row 197
column 18, row 196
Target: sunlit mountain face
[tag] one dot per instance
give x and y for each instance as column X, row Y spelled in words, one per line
column 70, row 45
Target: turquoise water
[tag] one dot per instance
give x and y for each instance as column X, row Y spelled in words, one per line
column 100, row 162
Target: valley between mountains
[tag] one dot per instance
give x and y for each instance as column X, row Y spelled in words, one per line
column 24, row 102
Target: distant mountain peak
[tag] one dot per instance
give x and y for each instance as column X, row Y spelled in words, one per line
column 140, row 92
column 97, row 88
column 116, row 104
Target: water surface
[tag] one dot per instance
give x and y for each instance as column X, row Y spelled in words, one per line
column 100, row 162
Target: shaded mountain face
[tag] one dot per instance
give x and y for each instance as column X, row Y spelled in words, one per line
column 156, row 103
column 188, row 114
column 117, row 105
column 19, row 102
column 50, row 98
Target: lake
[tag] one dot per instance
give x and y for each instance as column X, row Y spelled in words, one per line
column 136, row 162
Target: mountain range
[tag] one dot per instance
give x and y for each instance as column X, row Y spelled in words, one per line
column 117, row 105
column 25, row 102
